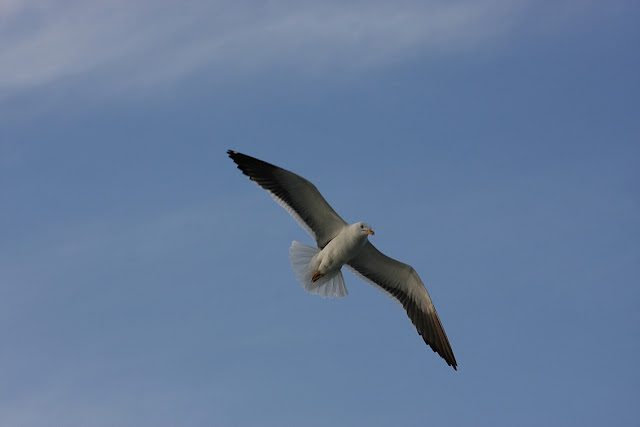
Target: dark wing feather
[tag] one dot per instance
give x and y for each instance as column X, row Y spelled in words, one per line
column 294, row 193
column 402, row 283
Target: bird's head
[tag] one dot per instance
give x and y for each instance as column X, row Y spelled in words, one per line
column 364, row 228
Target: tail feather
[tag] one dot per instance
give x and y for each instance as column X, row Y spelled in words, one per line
column 329, row 286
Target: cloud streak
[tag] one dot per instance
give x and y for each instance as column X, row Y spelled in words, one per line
column 148, row 43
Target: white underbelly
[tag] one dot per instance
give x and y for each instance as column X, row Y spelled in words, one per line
column 337, row 253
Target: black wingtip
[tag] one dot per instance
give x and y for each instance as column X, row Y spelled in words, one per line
column 237, row 158
column 233, row 155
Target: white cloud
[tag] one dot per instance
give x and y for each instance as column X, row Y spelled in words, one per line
column 148, row 42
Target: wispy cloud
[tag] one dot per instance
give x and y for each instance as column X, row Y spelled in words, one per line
column 150, row 42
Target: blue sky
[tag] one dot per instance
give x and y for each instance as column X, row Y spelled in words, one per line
column 491, row 145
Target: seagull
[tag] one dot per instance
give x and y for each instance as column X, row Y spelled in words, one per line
column 319, row 270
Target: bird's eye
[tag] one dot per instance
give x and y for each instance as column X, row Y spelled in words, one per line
column 361, row 226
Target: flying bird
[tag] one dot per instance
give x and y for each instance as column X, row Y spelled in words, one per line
column 319, row 270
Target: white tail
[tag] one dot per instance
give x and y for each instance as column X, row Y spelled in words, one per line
column 329, row 286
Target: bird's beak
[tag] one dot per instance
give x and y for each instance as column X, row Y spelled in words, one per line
column 371, row 232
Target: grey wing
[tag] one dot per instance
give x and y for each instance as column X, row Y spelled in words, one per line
column 402, row 283
column 297, row 195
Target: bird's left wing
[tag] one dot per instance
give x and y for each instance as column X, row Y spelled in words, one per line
column 294, row 193
column 401, row 282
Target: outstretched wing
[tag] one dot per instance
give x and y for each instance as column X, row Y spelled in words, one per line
column 297, row 195
column 402, row 283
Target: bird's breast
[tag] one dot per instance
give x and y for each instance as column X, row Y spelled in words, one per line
column 339, row 251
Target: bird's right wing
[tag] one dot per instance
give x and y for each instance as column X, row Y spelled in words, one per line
column 297, row 195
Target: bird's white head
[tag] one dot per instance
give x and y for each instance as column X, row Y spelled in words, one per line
column 364, row 228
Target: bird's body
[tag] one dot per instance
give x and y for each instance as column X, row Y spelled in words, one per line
column 341, row 249
column 319, row 270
